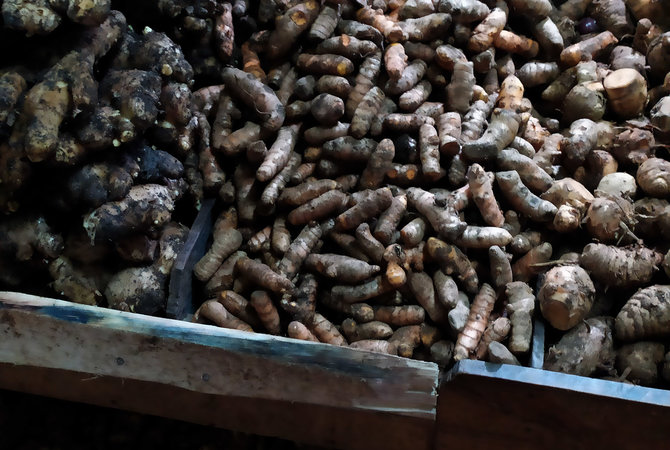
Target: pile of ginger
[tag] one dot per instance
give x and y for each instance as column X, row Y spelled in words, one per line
column 424, row 178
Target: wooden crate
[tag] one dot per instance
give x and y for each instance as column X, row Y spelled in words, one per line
column 308, row 392
column 313, row 393
column 483, row 406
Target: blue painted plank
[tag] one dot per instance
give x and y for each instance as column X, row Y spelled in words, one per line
column 574, row 383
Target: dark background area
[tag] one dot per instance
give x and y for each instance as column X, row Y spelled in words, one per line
column 29, row 422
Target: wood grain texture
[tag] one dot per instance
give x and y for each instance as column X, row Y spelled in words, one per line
column 317, row 389
column 322, row 426
column 180, row 293
column 483, row 406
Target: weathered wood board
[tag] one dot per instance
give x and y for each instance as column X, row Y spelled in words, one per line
column 308, row 392
column 484, row 406
column 180, row 297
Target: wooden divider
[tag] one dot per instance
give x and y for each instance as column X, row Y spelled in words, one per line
column 307, row 392
column 313, row 393
column 493, row 406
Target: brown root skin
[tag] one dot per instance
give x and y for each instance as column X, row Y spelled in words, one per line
column 378, row 164
column 137, row 249
column 406, row 339
column 406, row 122
column 413, row 233
column 359, row 293
column 487, row 30
column 612, row 16
column 267, row 312
column 224, row 277
column 365, row 80
column 324, row 330
column 239, row 307
column 325, row 64
column 261, row 275
column 370, row 330
column 301, row 194
column 584, row 349
column 299, row 249
column 348, row 148
column 645, row 315
column 274, row 187
column 587, row 49
column 496, row 331
column 480, row 310
column 215, row 312
column 301, row 305
column 443, row 219
column 549, row 37
column 341, row 268
column 522, row 200
column 22, row 236
column 520, row 306
column 226, row 240
column 529, row 265
column 449, row 130
column 279, row 153
column 610, row 219
column 566, row 296
column 324, row 24
column 446, row 290
column 137, row 289
column 389, row 28
column 501, row 269
column 256, row 95
column 36, row 17
column 531, row 174
column 514, row 43
column 327, row 204
column 482, row 194
column 410, row 77
column 400, row 315
column 653, row 177
column 641, row 359
column 474, row 121
column 421, row 286
column 412, row 99
column 380, row 200
column 369, row 244
column 334, row 85
column 389, row 220
column 347, row 46
column 297, row 330
column 290, row 25
column 452, row 260
column 12, row 86
column 483, row 237
column 459, row 90
column 569, row 192
column 78, row 284
column 367, row 109
column 145, row 207
column 395, row 60
column 349, row 245
column 620, row 267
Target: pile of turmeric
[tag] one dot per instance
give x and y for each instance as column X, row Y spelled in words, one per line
column 418, row 178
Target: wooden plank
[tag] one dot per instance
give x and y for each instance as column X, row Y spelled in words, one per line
column 537, row 351
column 309, row 392
column 180, row 294
column 484, row 405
